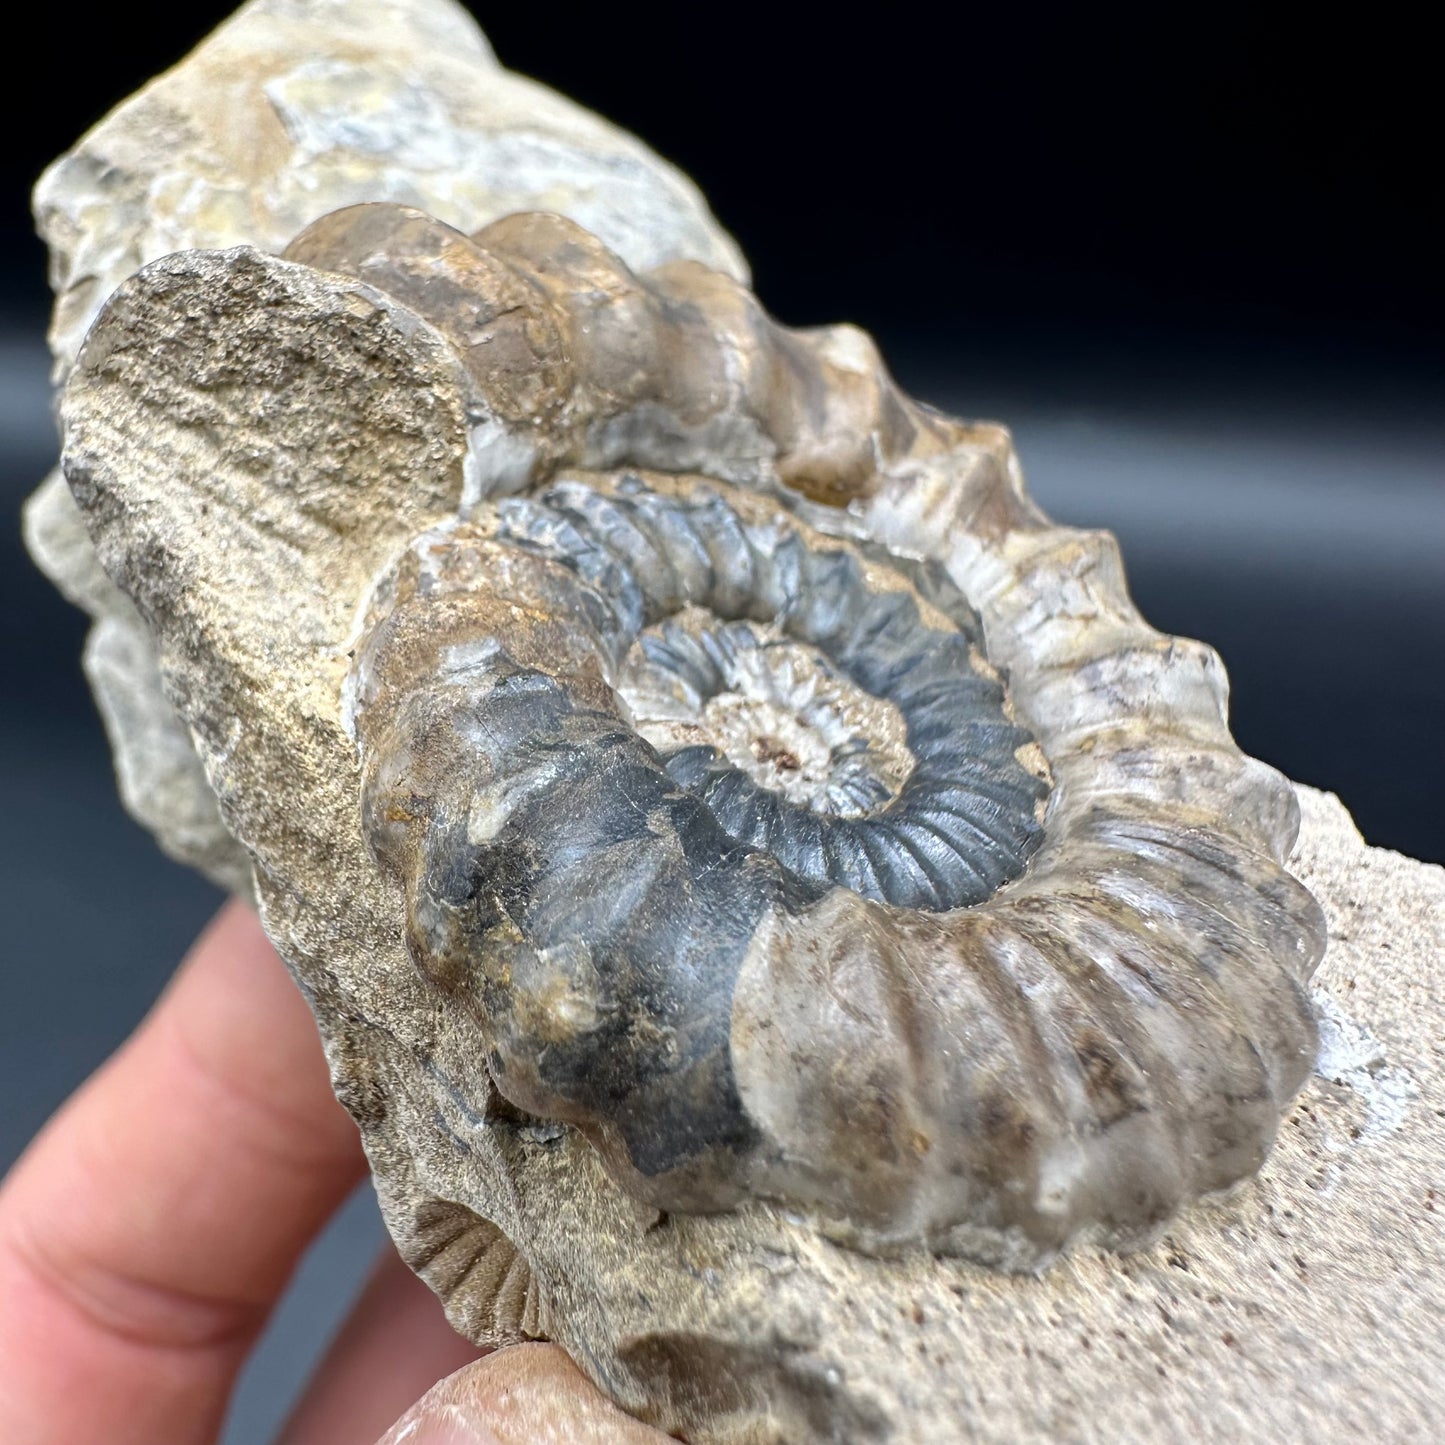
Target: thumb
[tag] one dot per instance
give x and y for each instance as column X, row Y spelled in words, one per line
column 522, row 1395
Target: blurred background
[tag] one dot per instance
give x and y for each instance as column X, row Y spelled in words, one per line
column 1195, row 263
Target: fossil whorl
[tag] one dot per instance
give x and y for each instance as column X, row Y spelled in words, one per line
column 580, row 361
column 793, row 808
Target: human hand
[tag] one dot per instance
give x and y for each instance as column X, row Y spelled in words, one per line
column 149, row 1229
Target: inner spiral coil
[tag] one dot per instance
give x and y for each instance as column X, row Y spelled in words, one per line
column 775, row 708
column 966, row 818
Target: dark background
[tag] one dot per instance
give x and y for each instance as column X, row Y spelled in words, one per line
column 1194, row 259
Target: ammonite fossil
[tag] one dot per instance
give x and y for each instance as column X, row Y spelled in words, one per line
column 747, row 864
column 791, row 808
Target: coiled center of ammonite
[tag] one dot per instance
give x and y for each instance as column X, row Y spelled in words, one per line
column 775, row 709
column 828, row 703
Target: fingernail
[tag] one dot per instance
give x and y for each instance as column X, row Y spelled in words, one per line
column 440, row 1424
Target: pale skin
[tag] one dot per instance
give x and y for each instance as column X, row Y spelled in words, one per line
column 147, row 1232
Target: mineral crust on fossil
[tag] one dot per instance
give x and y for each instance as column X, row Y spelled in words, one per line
column 746, row 862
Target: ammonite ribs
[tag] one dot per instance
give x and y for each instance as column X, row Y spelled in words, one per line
column 788, row 805
column 753, row 849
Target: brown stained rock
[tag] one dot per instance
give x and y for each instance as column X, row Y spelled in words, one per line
column 294, row 108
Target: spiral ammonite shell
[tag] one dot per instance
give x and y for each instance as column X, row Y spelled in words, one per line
column 793, row 808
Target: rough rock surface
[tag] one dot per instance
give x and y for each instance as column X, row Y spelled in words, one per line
column 294, row 108
column 291, row 109
column 1308, row 1304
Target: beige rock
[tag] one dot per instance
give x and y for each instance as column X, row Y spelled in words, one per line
column 294, row 108
column 289, row 110
column 160, row 778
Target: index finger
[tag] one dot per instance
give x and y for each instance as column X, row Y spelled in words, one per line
column 147, row 1232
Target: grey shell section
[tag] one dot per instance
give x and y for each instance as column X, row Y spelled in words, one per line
column 965, row 821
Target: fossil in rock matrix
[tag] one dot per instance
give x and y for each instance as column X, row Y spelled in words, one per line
column 776, row 796
column 751, row 870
